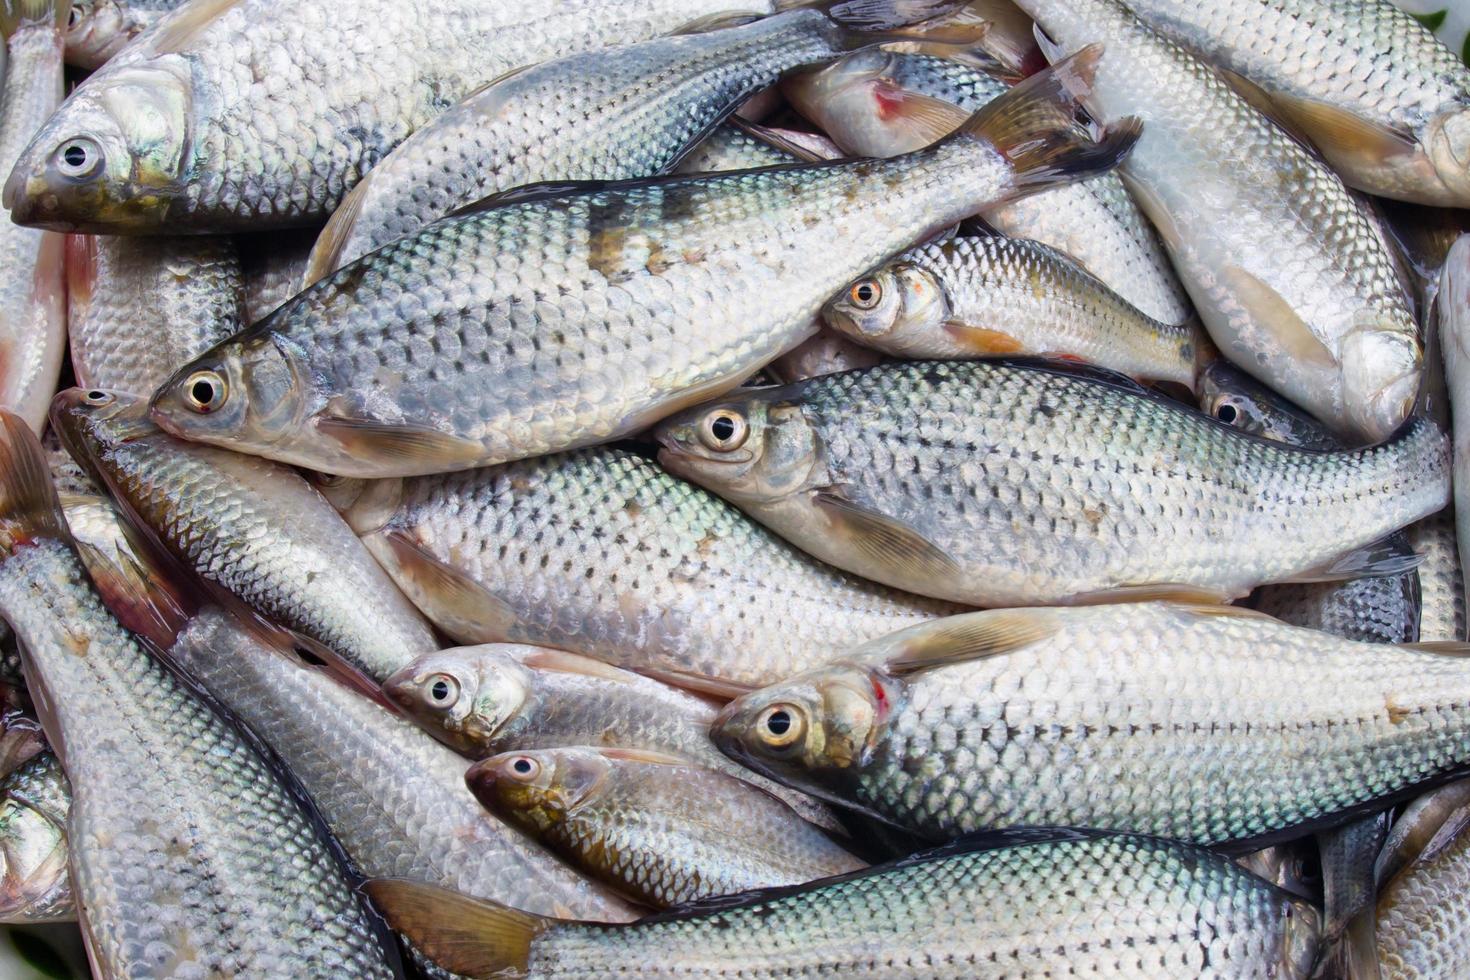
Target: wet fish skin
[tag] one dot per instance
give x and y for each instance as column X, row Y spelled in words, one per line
column 1454, row 341
column 658, row 828
column 680, row 579
column 255, row 530
column 1385, row 102
column 32, row 287
column 942, row 915
column 1441, row 583
column 1422, row 911
column 99, row 29
column 1284, row 265
column 36, row 885
column 880, row 102
column 497, row 698
column 1372, row 610
column 223, row 870
column 969, row 297
column 995, row 483
column 140, row 308
column 1153, row 718
column 629, row 276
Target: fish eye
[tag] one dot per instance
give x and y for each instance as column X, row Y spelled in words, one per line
column 443, row 690
column 98, row 397
column 723, row 430
column 525, row 766
column 1227, row 413
column 204, row 391
column 780, row 726
column 79, row 158
column 865, row 294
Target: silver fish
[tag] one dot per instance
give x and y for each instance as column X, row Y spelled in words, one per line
column 35, row 885
column 1423, row 910
column 98, row 29
column 1235, row 398
column 1453, row 305
column 571, row 319
column 1285, row 266
column 1441, row 582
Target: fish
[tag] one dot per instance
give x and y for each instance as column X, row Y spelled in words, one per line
column 1441, row 582
column 273, row 266
column 880, row 101
column 257, row 532
column 21, row 737
column 952, row 913
column 603, row 553
column 32, row 284
column 735, row 145
column 658, row 828
column 996, row 30
column 629, row 278
column 826, row 352
column 139, row 308
column 1283, row 263
column 35, row 885
column 243, row 115
column 1168, row 719
column 975, row 296
column 189, row 854
column 1385, row 102
column 1421, row 913
column 1349, row 891
column 614, row 114
column 98, row 29
column 1453, row 306
column 1239, row 400
column 494, row 698
column 998, row 483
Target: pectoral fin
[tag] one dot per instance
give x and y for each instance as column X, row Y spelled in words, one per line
column 979, row 340
column 971, row 636
column 897, row 550
column 407, row 446
column 1268, row 306
column 456, row 603
column 1342, row 134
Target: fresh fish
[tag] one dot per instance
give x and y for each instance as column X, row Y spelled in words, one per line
column 1454, row 340
column 733, row 146
column 1423, row 912
column 681, row 584
column 609, row 115
column 32, row 281
column 996, row 30
column 1386, row 102
column 189, row 854
column 254, row 530
column 273, row 264
column 970, row 297
column 878, row 102
column 1285, row 266
column 502, row 697
column 246, row 114
column 1285, row 866
column 139, row 308
column 98, row 29
column 1131, row 906
column 658, row 828
column 1235, row 398
column 1441, row 583
column 1424, row 236
column 997, row 483
column 1416, row 826
column 345, row 378
column 35, row 885
column 1157, row 718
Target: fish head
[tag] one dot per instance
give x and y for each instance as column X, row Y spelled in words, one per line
column 33, row 863
column 1228, row 395
column 112, row 158
column 95, row 31
column 1382, row 369
column 896, row 300
column 856, row 101
column 755, row 446
column 471, row 693
column 537, row 790
column 93, row 421
column 1301, row 939
column 1448, row 142
column 811, row 730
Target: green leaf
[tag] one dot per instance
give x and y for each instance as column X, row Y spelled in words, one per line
column 1431, row 21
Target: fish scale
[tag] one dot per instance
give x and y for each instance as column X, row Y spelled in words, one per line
column 1441, row 583
column 1422, row 910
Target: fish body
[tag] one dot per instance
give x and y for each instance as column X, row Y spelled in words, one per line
column 970, row 297
column 1181, row 721
column 138, row 309
column 996, row 483
column 34, row 802
column 32, row 282
column 681, row 584
column 1385, row 102
column 828, row 352
column 188, row 852
column 1380, row 609
column 1454, row 342
column 1441, row 582
column 578, row 318
column 99, row 29
column 1284, row 266
column 1421, row 911
column 659, row 828
column 944, row 916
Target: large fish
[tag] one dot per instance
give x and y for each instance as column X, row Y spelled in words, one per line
column 189, row 853
column 1058, row 903
column 560, row 319
column 1285, row 266
column 1190, row 722
column 602, row 552
column 1017, row 483
column 98, row 29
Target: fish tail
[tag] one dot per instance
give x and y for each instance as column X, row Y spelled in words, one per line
column 28, row 508
column 876, row 15
column 15, row 14
column 469, row 936
column 1034, row 127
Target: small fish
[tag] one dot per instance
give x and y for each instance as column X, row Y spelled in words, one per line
column 658, row 828
column 32, row 279
column 35, row 885
column 1349, row 891
column 952, row 914
column 1423, row 911
column 971, row 297
column 995, row 483
column 1155, row 718
column 98, row 29
column 1453, row 306
column 1240, row 401
column 562, row 318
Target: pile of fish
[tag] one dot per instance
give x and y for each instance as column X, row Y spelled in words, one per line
column 590, row 488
